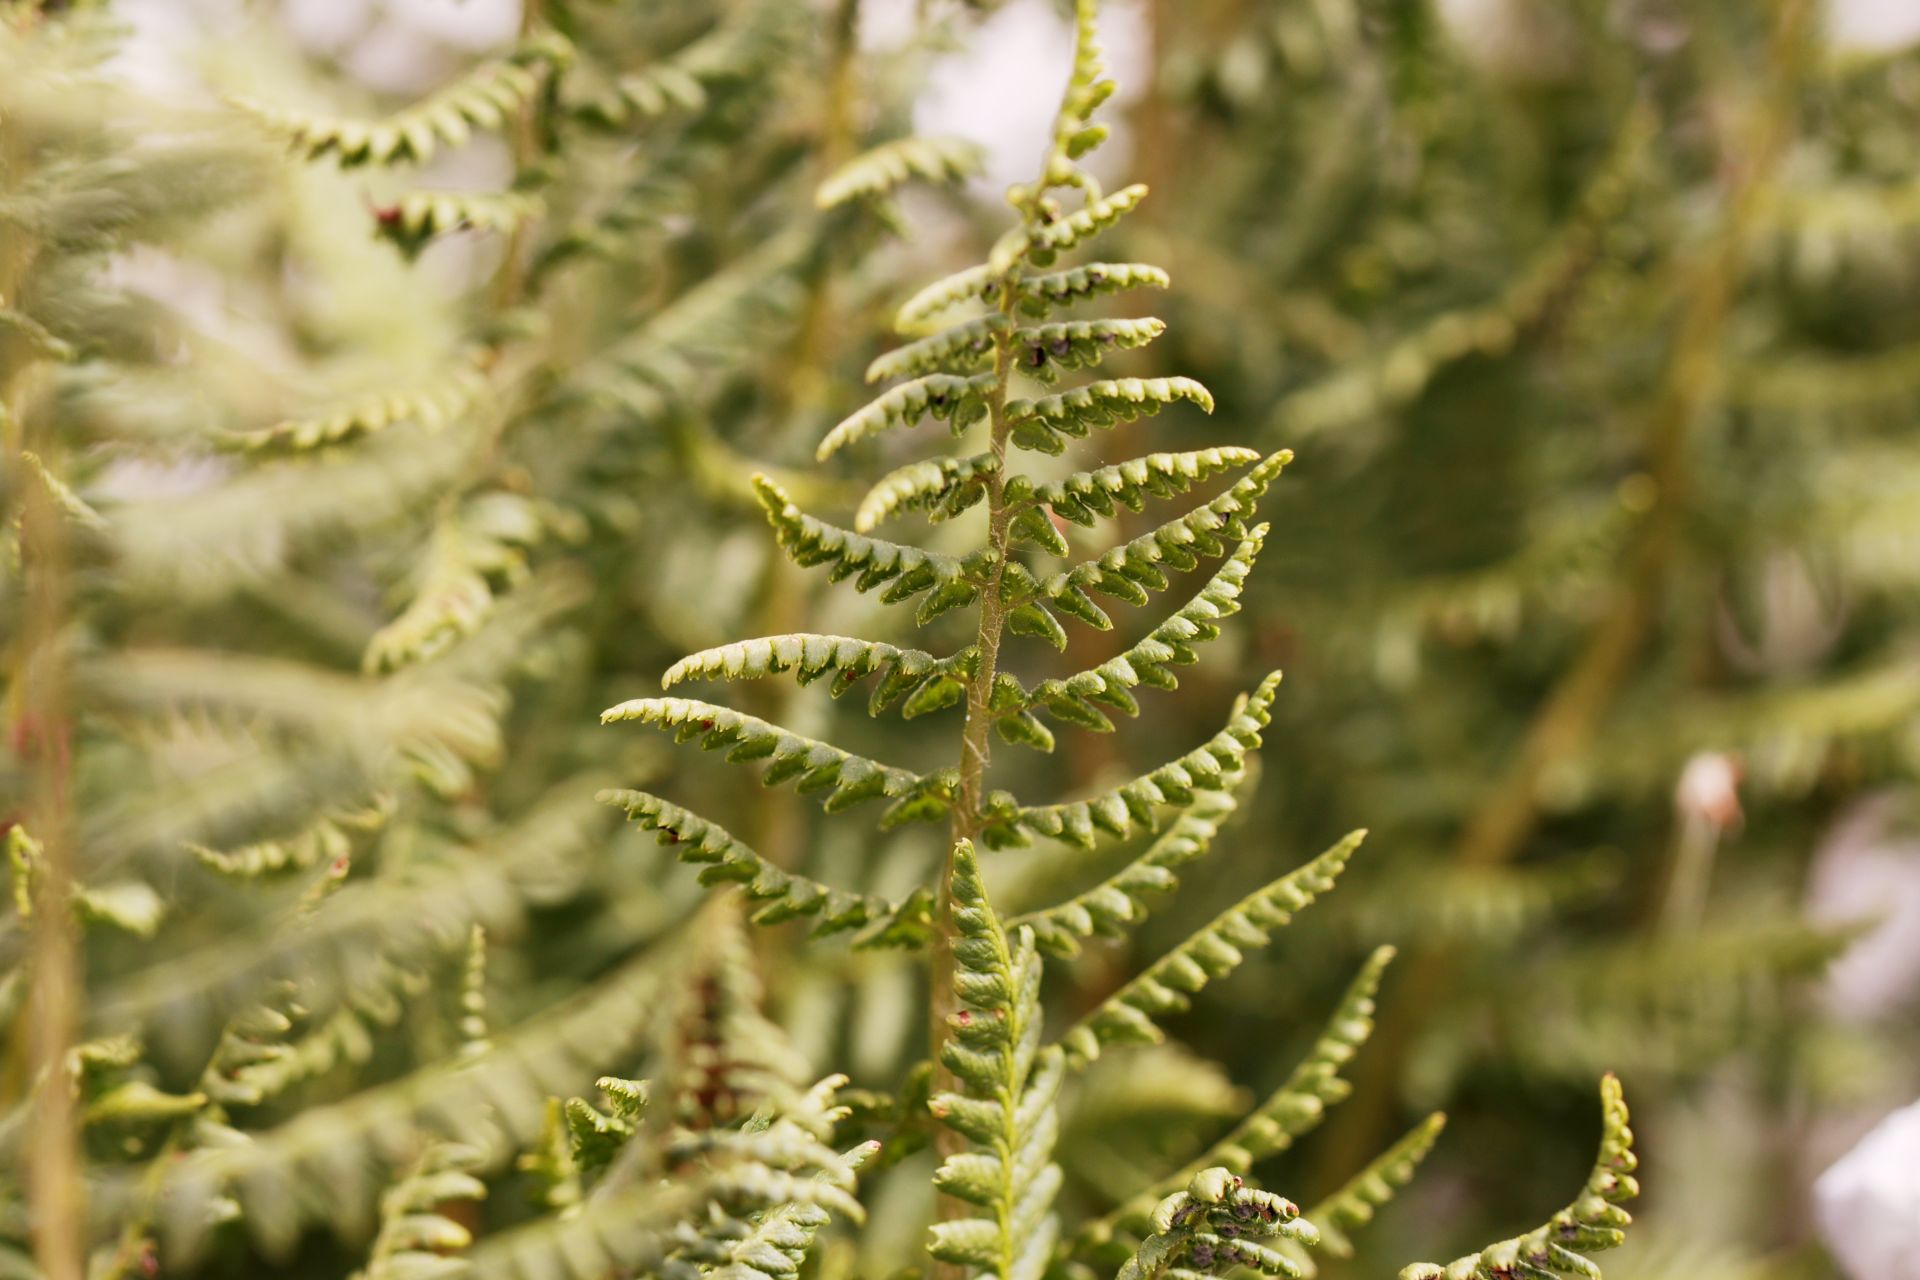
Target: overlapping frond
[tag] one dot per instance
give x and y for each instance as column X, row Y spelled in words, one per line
column 1005, row 1106
column 1121, row 900
column 1040, row 294
column 1593, row 1222
column 1169, row 984
column 1148, row 661
column 1293, row 1109
column 1217, row 1226
column 1131, row 570
column 1172, row 785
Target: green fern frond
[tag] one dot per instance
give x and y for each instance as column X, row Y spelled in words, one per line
column 787, row 895
column 1354, row 1204
column 776, row 1245
column 320, row 841
column 1008, row 1084
column 1131, row 570
column 453, row 593
column 1045, row 425
column 417, row 1240
column 420, row 216
column 485, row 98
column 1120, row 901
column 72, row 505
column 890, row 165
column 959, row 348
column 1169, row 984
column 818, row 766
column 1593, row 1222
column 907, row 571
column 333, row 1152
column 1296, row 1107
column 1046, row 351
column 1205, row 768
column 1041, row 244
column 972, row 284
column 430, row 405
column 634, row 1231
column 1149, row 660
column 941, row 396
column 946, row 486
column 926, row 682
column 1040, row 294
column 1218, row 1225
column 1085, row 495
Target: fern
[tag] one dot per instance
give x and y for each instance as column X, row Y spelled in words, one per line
column 486, row 98
column 1591, row 1223
column 1005, row 1103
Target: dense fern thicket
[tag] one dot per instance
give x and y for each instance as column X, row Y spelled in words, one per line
column 364, row 451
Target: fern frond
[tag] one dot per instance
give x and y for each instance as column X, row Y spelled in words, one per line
column 1149, row 660
column 417, row 1240
column 1044, row 425
column 1354, row 1204
column 1008, row 1086
column 1041, row 244
column 959, row 348
column 1046, row 351
column 633, row 1231
column 485, row 98
column 420, row 216
column 818, row 766
column 1169, row 984
column 787, row 895
column 946, row 486
column 1293, row 1109
column 880, row 170
column 332, row 1153
column 320, row 841
column 453, row 592
column 908, row 571
column 940, row 396
column 74, row 507
column 1205, row 768
column 926, row 682
column 1084, row 495
column 1216, row 1226
column 430, row 405
column 1120, row 900
column 1594, row 1221
column 1131, row 570
column 972, row 284
column 1040, row 294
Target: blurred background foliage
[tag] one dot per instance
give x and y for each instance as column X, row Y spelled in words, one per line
column 379, row 460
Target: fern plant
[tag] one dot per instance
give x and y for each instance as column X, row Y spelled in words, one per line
column 995, row 1075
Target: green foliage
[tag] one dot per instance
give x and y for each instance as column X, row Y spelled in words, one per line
column 1591, row 1223
column 1217, row 1225
column 1005, row 1105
